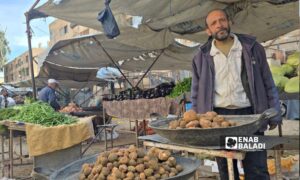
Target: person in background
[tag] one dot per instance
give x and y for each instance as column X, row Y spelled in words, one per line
column 272, row 61
column 47, row 94
column 5, row 100
column 231, row 76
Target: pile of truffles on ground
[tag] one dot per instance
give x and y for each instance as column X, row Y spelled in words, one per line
column 193, row 120
column 132, row 164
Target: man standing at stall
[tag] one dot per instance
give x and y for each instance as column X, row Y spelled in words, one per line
column 47, row 94
column 5, row 100
column 231, row 77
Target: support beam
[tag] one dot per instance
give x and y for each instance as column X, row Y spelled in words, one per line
column 149, row 68
column 29, row 36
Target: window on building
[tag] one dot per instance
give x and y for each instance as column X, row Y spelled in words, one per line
column 66, row 29
column 63, row 31
column 19, row 63
column 27, row 59
column 27, row 71
column 51, row 34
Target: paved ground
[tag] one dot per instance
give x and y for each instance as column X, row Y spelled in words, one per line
column 289, row 128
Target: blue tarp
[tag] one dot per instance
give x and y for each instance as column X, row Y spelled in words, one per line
column 108, row 73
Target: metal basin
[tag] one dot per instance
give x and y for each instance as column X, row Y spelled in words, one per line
column 246, row 125
column 72, row 171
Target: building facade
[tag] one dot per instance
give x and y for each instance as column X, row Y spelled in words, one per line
column 1, row 77
column 60, row 30
column 18, row 69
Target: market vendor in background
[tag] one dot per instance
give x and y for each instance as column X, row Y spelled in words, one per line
column 231, row 77
column 47, row 94
column 5, row 100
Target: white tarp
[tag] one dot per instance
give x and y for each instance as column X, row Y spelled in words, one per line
column 183, row 18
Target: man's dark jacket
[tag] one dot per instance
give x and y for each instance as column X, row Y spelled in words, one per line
column 256, row 79
column 47, row 95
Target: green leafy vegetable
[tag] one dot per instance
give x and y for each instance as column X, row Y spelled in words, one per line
column 43, row 114
column 7, row 113
column 294, row 59
column 292, row 86
column 181, row 87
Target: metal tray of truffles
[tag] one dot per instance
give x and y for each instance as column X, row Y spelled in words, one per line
column 245, row 125
column 72, row 171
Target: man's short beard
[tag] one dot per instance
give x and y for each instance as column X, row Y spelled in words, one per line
column 222, row 37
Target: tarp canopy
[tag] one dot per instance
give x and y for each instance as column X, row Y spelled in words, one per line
column 86, row 54
column 77, row 60
column 163, row 21
column 185, row 19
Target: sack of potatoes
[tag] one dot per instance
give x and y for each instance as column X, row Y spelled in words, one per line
column 210, row 119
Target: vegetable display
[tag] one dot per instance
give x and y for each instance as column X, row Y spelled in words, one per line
column 292, row 85
column 286, row 77
column 294, row 59
column 193, row 120
column 7, row 113
column 132, row 163
column 72, row 107
column 41, row 113
column 160, row 90
column 181, row 87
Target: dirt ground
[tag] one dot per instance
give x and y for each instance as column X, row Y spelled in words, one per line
column 23, row 171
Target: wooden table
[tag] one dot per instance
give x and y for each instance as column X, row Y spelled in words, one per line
column 11, row 126
column 135, row 121
column 229, row 155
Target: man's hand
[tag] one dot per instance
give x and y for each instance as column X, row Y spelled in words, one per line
column 272, row 126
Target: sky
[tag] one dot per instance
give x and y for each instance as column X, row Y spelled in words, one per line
column 12, row 21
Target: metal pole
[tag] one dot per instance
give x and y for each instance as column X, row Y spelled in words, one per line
column 30, row 48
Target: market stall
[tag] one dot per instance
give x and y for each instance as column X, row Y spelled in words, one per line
column 147, row 164
column 205, row 134
column 153, row 45
column 39, row 118
column 136, row 105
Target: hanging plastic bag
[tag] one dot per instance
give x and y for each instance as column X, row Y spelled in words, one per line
column 108, row 21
